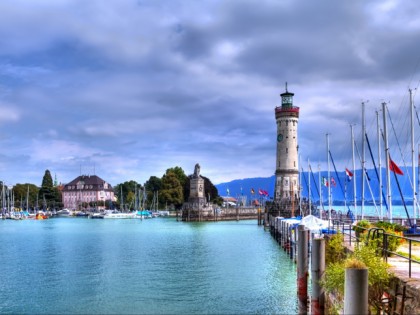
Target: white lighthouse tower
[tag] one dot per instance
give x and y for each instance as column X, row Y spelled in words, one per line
column 287, row 168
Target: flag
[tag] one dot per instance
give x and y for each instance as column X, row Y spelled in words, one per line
column 349, row 175
column 227, row 190
column 333, row 183
column 260, row 192
column 265, row 192
column 252, row 191
column 324, row 181
column 394, row 167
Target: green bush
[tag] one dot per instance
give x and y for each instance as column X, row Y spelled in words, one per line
column 334, row 249
column 362, row 226
column 364, row 254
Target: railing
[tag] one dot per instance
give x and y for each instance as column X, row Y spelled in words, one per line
column 289, row 109
column 384, row 238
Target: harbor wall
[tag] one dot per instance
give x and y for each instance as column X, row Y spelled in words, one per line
column 219, row 214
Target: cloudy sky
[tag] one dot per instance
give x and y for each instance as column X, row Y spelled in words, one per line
column 129, row 88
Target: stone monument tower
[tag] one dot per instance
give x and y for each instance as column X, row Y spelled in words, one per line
column 197, row 196
column 287, row 169
column 197, row 208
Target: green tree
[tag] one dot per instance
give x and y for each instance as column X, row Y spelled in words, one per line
column 152, row 185
column 21, row 192
column 125, row 192
column 179, row 173
column 171, row 192
column 47, row 192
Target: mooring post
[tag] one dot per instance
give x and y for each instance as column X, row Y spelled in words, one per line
column 317, row 271
column 302, row 269
column 292, row 242
column 356, row 291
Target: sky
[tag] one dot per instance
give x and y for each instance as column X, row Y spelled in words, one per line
column 126, row 89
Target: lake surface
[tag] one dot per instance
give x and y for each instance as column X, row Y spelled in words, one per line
column 155, row 266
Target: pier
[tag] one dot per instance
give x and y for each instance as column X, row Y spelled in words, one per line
column 219, row 214
column 403, row 294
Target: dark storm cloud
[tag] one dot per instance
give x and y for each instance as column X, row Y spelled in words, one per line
column 136, row 87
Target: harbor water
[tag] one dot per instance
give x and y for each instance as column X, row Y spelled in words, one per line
column 155, row 266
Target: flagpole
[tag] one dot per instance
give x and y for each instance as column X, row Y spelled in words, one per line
column 388, row 177
column 354, row 173
column 309, row 190
column 320, row 189
column 380, row 163
column 328, row 177
column 300, row 188
column 413, row 166
column 363, row 159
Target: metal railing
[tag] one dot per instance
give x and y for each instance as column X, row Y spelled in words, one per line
column 382, row 238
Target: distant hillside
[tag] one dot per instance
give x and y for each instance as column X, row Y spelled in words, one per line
column 243, row 186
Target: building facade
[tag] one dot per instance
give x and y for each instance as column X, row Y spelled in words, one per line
column 287, row 187
column 87, row 190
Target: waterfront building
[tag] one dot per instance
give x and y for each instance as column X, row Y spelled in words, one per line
column 87, row 189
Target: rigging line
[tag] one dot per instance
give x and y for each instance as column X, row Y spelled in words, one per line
column 376, row 170
column 367, row 181
column 417, row 115
column 316, row 186
column 395, row 134
column 402, row 197
column 307, row 186
column 349, row 212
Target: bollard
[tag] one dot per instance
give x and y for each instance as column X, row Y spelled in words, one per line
column 356, row 291
column 302, row 269
column 317, row 272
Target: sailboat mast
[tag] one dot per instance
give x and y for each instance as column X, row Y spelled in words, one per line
column 328, row 177
column 354, row 174
column 320, row 188
column 413, row 165
column 300, row 188
column 27, row 199
column 379, row 163
column 388, row 177
column 309, row 189
column 363, row 159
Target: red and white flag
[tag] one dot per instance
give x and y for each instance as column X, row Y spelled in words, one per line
column 349, row 175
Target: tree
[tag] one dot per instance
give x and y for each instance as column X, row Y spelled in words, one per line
column 126, row 192
column 179, row 173
column 171, row 192
column 153, row 184
column 48, row 192
column 21, row 192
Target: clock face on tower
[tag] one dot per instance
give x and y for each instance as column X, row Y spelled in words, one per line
column 279, row 137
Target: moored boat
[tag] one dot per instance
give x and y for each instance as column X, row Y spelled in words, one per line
column 63, row 213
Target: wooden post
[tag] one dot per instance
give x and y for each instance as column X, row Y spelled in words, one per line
column 302, row 269
column 356, row 291
column 317, row 271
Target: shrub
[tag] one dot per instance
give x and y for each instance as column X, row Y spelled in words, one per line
column 334, row 249
column 363, row 256
column 361, row 227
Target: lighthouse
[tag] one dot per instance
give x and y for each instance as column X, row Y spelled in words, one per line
column 287, row 168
